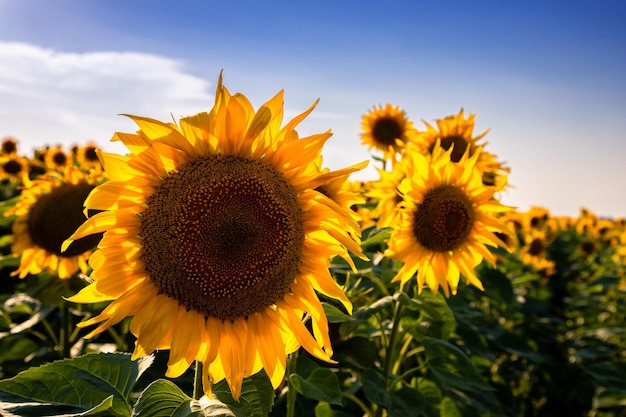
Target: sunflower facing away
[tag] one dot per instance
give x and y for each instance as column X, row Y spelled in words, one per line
column 388, row 130
column 446, row 220
column 49, row 210
column 216, row 240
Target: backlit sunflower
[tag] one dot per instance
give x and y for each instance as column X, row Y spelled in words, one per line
column 49, row 210
column 387, row 129
column 57, row 158
column 217, row 238
column 447, row 219
column 13, row 167
column 457, row 132
column 87, row 156
column 534, row 251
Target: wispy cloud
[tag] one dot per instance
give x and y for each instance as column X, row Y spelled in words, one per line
column 49, row 97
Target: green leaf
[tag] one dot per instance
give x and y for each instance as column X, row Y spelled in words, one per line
column 451, row 367
column 321, row 385
column 406, row 402
column 256, row 399
column 334, row 315
column 608, row 375
column 374, row 388
column 377, row 236
column 449, row 408
column 163, row 398
column 16, row 347
column 72, row 386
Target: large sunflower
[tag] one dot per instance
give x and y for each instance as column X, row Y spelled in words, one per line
column 456, row 132
column 387, row 129
column 216, row 240
column 49, row 210
column 447, row 218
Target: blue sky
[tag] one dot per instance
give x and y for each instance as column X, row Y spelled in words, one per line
column 548, row 78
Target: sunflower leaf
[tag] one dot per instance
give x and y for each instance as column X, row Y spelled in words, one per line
column 80, row 386
column 163, row 398
column 321, row 385
column 451, row 367
column 256, row 399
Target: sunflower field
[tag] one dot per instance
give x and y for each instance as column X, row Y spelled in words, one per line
column 220, row 269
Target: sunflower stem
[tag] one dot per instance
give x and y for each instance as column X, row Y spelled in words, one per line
column 198, row 389
column 291, row 391
column 66, row 330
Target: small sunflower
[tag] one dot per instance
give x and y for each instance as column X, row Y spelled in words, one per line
column 49, row 210
column 57, row 158
column 388, row 130
column 8, row 146
column 13, row 167
column 447, row 219
column 217, row 238
column 87, row 156
column 534, row 251
column 457, row 132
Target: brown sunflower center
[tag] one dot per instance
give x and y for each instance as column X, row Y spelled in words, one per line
column 56, row 215
column 460, row 145
column 224, row 236
column 90, row 154
column 12, row 167
column 386, row 130
column 536, row 247
column 59, row 159
column 9, row 146
column 444, row 220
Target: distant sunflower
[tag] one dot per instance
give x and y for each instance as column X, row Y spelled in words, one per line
column 456, row 132
column 385, row 191
column 448, row 217
column 534, row 251
column 49, row 210
column 8, row 146
column 87, row 156
column 217, row 238
column 13, row 167
column 57, row 158
column 388, row 130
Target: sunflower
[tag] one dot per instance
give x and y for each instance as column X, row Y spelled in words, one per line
column 87, row 156
column 457, row 132
column 447, row 219
column 49, row 210
column 388, row 130
column 8, row 146
column 217, row 240
column 57, row 158
column 534, row 251
column 13, row 167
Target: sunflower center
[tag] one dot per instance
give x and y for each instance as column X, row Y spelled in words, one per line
column 386, row 131
column 59, row 159
column 460, row 145
column 444, row 220
column 90, row 154
column 224, row 236
column 536, row 247
column 12, row 167
column 56, row 215
column 8, row 146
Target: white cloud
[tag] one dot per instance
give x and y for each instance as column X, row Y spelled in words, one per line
column 49, row 97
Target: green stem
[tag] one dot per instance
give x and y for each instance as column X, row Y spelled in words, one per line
column 360, row 403
column 66, row 329
column 291, row 391
column 198, row 389
column 390, row 352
